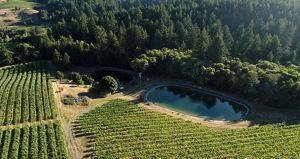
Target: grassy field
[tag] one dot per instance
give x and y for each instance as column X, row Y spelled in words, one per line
column 121, row 129
column 18, row 4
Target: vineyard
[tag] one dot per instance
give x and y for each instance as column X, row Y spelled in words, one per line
column 37, row 141
column 28, row 124
column 121, row 129
column 26, row 94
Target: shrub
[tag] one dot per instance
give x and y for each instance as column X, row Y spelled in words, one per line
column 84, row 101
column 60, row 75
column 69, row 100
column 108, row 84
column 87, row 80
column 79, row 82
column 76, row 78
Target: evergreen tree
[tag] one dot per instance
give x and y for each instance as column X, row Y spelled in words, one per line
column 202, row 45
column 276, row 48
column 298, row 54
column 56, row 57
column 218, row 50
column 66, row 61
column 5, row 56
column 100, row 37
column 59, row 75
column 157, row 41
column 136, row 37
column 228, row 39
column 254, row 53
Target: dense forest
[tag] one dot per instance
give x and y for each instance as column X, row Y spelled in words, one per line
column 247, row 46
column 250, row 30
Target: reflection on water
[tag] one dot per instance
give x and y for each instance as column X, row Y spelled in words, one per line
column 196, row 103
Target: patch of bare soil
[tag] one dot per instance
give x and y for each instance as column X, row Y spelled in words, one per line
column 77, row 146
column 13, row 17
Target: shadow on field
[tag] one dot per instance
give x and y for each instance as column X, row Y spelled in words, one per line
column 264, row 115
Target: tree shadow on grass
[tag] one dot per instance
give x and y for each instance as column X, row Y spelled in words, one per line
column 275, row 116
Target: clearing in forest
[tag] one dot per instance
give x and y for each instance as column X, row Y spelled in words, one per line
column 18, row 4
column 18, row 12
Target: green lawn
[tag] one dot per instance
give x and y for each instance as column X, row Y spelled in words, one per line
column 18, row 4
column 121, row 129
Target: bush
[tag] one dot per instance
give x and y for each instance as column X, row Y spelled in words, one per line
column 69, row 100
column 106, row 85
column 79, row 82
column 84, row 101
column 60, row 75
column 76, row 78
column 87, row 80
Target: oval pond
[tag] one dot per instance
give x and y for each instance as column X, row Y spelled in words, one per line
column 194, row 102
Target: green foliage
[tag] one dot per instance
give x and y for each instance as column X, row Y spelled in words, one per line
column 113, row 31
column 5, row 56
column 269, row 82
column 26, row 52
column 61, row 61
column 87, row 79
column 69, row 100
column 76, row 78
column 56, row 57
column 165, row 61
column 66, row 60
column 36, row 141
column 218, row 50
column 18, row 4
column 202, row 45
column 26, row 94
column 140, row 65
column 108, row 84
column 123, row 125
column 60, row 75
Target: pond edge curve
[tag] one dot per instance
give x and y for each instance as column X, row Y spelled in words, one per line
column 204, row 90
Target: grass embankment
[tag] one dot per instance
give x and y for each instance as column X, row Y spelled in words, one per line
column 121, row 129
column 18, row 4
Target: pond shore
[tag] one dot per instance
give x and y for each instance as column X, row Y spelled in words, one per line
column 259, row 115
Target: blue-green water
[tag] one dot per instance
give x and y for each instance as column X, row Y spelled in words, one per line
column 195, row 103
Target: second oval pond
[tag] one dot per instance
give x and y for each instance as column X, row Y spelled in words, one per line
column 196, row 103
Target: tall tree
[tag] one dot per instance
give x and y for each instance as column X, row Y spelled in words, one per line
column 276, row 48
column 66, row 60
column 56, row 57
column 228, row 39
column 218, row 50
column 136, row 37
column 202, row 45
column 5, row 56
